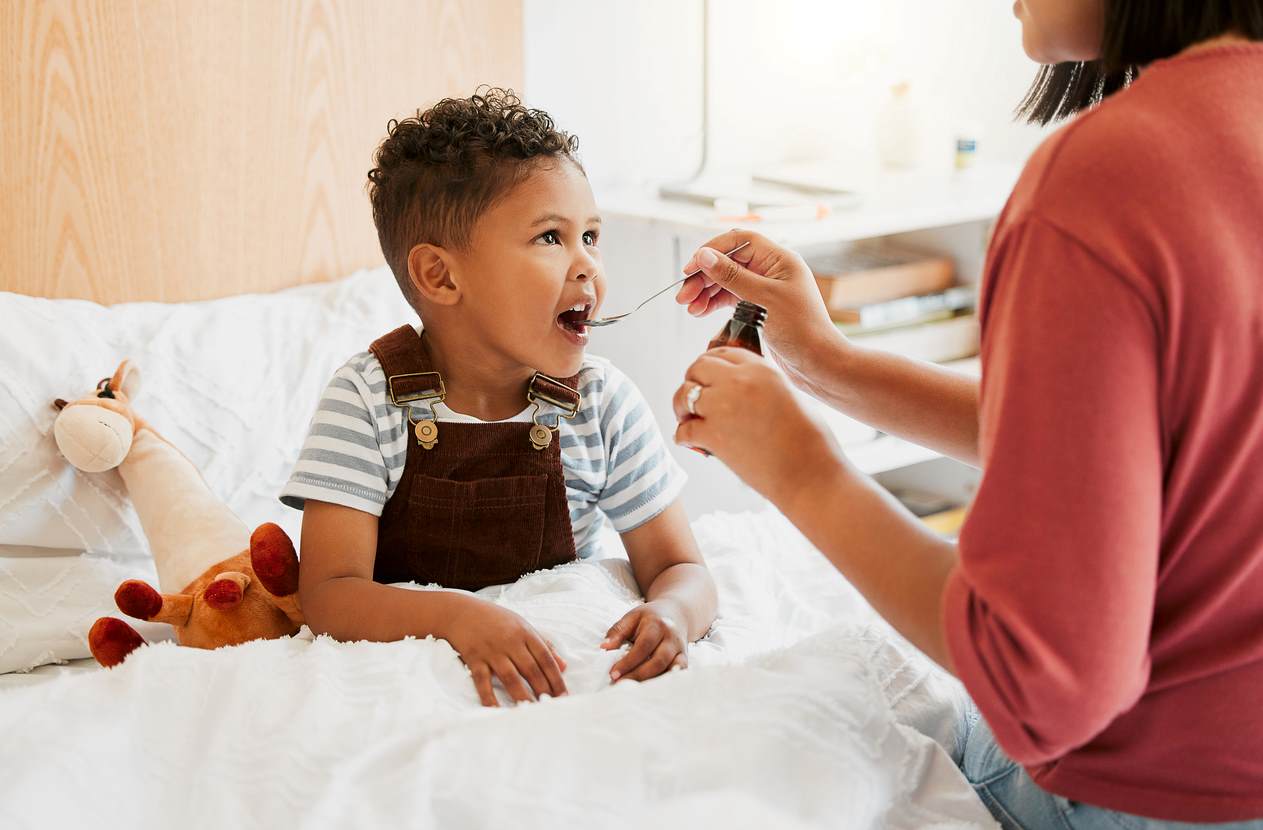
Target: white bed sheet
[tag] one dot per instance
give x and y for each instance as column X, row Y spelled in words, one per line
column 800, row 709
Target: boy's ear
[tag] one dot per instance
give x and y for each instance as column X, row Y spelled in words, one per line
column 429, row 269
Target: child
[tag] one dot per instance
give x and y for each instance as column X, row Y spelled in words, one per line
column 484, row 444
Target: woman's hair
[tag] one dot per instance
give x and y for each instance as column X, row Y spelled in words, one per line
column 437, row 172
column 1137, row 32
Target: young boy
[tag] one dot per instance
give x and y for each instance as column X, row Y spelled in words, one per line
column 483, row 444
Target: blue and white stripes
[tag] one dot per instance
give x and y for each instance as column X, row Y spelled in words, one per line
column 612, row 453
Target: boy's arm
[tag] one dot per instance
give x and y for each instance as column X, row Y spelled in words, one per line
column 680, row 597
column 340, row 598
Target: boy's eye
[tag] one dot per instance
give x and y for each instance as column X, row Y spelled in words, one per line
column 550, row 238
column 589, row 237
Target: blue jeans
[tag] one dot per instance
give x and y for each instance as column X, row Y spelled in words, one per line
column 1018, row 803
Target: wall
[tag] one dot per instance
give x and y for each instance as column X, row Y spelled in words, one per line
column 792, row 80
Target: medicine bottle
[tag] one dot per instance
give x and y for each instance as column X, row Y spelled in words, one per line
column 744, row 330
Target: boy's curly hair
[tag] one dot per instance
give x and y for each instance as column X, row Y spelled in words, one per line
column 436, row 173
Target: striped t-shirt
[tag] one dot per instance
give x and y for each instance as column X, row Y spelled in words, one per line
column 615, row 463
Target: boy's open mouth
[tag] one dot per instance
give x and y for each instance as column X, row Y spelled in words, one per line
column 571, row 320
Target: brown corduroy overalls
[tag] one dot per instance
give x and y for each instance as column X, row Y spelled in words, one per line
column 482, row 506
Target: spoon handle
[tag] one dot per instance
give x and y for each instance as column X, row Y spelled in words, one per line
column 610, row 320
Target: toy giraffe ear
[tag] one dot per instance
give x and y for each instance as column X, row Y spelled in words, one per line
column 126, row 379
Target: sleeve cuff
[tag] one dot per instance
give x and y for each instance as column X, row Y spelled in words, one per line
column 653, row 507
column 977, row 676
column 296, row 494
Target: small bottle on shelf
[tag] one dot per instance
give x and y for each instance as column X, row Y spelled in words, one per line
column 744, row 330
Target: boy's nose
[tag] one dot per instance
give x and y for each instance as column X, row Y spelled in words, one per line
column 584, row 270
column 585, row 267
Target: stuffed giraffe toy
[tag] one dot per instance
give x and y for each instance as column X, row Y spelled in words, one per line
column 221, row 584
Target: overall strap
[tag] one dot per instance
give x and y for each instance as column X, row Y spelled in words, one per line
column 410, row 375
column 563, row 394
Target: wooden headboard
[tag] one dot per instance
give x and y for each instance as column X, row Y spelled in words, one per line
column 187, row 149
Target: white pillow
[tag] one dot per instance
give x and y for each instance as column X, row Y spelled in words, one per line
column 233, row 383
column 49, row 601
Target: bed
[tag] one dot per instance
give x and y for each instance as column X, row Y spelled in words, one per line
column 800, row 708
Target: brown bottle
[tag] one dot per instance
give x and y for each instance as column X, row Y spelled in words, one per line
column 744, row 329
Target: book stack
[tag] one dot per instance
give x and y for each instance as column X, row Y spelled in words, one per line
column 901, row 301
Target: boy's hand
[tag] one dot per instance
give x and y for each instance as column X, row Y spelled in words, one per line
column 657, row 639
column 494, row 641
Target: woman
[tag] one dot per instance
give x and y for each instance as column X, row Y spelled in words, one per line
column 1104, row 604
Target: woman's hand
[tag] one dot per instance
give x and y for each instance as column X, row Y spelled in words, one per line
column 798, row 330
column 657, row 638
column 748, row 416
column 495, row 641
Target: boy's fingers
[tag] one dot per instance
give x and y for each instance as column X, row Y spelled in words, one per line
column 561, row 661
column 647, row 639
column 512, row 681
column 658, row 663
column 482, row 682
column 547, row 660
column 621, row 631
column 681, row 661
column 527, row 666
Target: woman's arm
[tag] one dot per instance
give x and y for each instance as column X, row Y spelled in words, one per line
column 894, row 560
column 915, row 400
column 680, row 597
column 918, row 401
column 1048, row 616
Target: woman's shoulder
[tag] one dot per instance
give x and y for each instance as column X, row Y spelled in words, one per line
column 1097, row 158
column 1123, row 157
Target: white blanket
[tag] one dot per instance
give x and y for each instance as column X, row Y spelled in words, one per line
column 800, row 709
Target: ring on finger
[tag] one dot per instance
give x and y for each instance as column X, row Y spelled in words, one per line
column 690, row 400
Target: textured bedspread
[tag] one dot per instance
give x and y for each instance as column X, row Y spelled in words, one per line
column 799, row 710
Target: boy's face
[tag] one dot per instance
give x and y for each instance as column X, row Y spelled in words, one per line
column 532, row 258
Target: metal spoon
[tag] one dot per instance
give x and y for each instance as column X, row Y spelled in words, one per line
column 609, row 321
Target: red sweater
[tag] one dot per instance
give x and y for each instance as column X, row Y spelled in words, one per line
column 1107, row 611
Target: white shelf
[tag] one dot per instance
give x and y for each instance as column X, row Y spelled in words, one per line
column 887, row 453
column 893, row 204
column 647, row 236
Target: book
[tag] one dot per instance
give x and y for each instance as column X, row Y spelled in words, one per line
column 948, row 523
column 922, row 503
column 915, row 309
column 863, row 276
column 937, row 342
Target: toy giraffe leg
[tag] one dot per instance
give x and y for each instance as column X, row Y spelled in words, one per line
column 111, row 639
column 275, row 563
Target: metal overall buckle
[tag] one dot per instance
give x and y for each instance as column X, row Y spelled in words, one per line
column 427, row 429
column 551, row 391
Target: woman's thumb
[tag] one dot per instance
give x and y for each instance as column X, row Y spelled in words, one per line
column 721, row 270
